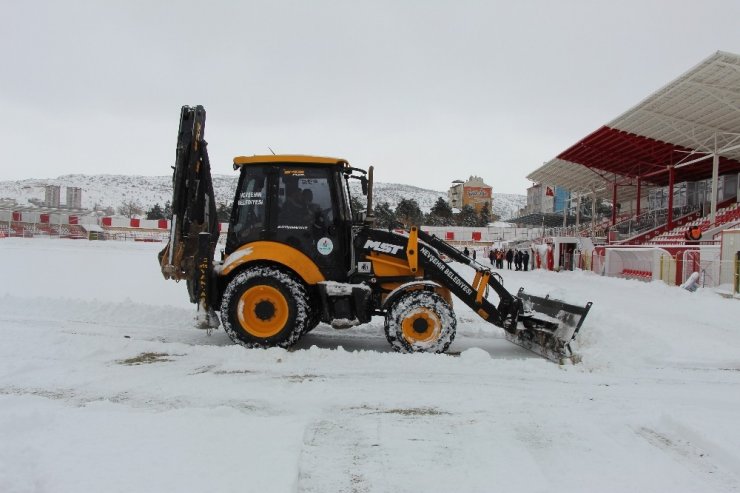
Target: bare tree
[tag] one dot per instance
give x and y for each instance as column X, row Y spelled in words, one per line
column 130, row 209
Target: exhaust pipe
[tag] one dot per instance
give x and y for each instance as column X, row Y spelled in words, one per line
column 369, row 215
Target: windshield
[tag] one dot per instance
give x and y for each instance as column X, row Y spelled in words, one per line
column 304, row 195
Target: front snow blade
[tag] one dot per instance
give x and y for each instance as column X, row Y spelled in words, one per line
column 547, row 327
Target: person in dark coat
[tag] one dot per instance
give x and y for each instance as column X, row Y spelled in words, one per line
column 474, row 255
column 492, row 257
column 466, row 252
column 525, row 260
column 509, row 257
column 518, row 260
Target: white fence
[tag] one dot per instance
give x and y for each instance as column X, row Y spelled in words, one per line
column 648, row 264
column 487, row 234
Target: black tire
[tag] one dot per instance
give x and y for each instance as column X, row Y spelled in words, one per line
column 265, row 307
column 314, row 312
column 420, row 321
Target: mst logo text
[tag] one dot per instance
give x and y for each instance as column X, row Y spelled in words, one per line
column 379, row 246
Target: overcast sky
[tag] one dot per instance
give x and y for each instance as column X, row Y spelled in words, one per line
column 426, row 91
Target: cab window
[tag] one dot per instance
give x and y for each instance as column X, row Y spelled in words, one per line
column 251, row 204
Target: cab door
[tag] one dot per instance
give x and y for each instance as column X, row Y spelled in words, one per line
column 308, row 216
column 250, row 212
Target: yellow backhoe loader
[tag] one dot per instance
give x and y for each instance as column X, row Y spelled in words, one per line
column 296, row 254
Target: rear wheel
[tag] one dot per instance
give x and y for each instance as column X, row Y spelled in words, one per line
column 420, row 321
column 263, row 307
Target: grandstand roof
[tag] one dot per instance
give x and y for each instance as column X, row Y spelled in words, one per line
column 675, row 125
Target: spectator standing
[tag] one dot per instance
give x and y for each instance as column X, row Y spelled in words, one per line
column 509, row 257
column 525, row 259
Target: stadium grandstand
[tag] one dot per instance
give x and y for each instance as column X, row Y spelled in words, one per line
column 669, row 166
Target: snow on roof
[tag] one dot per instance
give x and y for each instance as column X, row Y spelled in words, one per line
column 674, row 126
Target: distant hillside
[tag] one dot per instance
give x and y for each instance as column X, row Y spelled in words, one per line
column 102, row 191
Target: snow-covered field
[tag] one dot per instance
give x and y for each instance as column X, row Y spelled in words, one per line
column 105, row 386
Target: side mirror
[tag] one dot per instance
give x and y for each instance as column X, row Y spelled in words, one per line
column 363, row 183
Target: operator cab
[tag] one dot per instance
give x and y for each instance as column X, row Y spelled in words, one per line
column 301, row 201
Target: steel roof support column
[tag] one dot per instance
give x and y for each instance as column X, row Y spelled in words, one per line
column 715, row 175
column 578, row 211
column 614, row 201
column 565, row 212
column 671, row 177
column 593, row 212
column 639, row 189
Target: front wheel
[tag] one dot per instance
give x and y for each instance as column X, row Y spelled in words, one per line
column 420, row 321
column 264, row 307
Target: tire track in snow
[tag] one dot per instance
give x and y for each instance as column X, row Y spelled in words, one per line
column 337, row 455
column 357, row 450
column 691, row 456
column 77, row 398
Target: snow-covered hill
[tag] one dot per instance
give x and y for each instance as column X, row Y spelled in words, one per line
column 102, row 191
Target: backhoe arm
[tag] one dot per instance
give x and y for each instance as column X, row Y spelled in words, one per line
column 194, row 226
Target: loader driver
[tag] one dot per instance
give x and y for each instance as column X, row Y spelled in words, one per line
column 316, row 216
column 294, row 210
column 319, row 218
column 307, row 198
